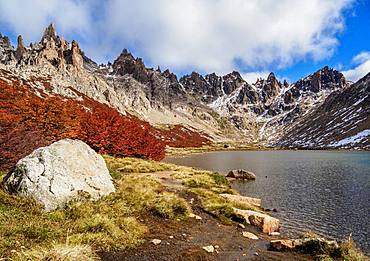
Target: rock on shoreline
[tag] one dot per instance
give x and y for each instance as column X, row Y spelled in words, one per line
column 241, row 174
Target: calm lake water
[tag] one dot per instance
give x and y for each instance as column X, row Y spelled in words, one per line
column 327, row 192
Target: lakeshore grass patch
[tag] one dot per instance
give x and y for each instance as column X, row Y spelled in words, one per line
column 118, row 166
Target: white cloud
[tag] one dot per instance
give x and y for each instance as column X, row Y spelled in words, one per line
column 362, row 67
column 30, row 18
column 210, row 35
column 204, row 35
column 251, row 77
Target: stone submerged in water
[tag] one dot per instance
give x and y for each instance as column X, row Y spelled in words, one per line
column 265, row 222
column 58, row 173
column 241, row 174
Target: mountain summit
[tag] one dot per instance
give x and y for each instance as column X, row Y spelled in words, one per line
column 225, row 108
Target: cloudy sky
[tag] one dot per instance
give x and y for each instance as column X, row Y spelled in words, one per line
column 290, row 37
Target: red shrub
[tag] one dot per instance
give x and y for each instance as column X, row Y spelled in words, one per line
column 28, row 121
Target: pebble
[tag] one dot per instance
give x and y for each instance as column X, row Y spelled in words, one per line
column 209, row 249
column 241, row 225
column 191, row 215
column 156, row 241
column 171, row 237
column 274, row 234
column 256, row 254
column 250, row 235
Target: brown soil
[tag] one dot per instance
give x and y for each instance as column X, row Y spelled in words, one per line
column 190, row 236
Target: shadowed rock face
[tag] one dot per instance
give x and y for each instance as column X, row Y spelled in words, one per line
column 341, row 121
column 58, row 173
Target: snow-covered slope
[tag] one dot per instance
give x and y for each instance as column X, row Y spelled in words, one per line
column 342, row 121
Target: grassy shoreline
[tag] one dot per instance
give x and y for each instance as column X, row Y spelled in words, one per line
column 216, row 147
column 147, row 193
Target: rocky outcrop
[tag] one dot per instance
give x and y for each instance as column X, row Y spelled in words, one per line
column 242, row 200
column 241, row 174
column 6, row 50
column 58, row 173
column 263, row 221
column 316, row 245
column 346, row 110
column 20, row 48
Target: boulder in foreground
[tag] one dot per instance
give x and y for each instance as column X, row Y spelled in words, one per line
column 58, row 173
column 241, row 174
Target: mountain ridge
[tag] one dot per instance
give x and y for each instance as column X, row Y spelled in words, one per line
column 226, row 108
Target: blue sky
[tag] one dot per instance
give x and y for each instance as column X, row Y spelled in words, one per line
column 292, row 38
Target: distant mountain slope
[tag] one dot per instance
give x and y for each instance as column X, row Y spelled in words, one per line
column 342, row 121
column 195, row 109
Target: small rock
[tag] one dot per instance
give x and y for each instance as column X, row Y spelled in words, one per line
column 274, row 234
column 241, row 174
column 191, row 215
column 209, row 249
column 171, row 237
column 249, row 235
column 256, row 254
column 156, row 241
column 217, row 246
column 241, row 225
column 279, row 245
column 184, row 235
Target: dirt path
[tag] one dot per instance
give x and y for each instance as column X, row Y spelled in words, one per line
column 183, row 240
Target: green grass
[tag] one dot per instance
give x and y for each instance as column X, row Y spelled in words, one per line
column 323, row 251
column 108, row 224
column 118, row 166
column 214, row 204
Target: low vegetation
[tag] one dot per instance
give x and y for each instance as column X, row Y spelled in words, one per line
column 109, row 224
column 324, row 251
column 135, row 165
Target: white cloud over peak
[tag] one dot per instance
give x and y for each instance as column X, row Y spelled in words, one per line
column 251, row 77
column 204, row 35
column 362, row 67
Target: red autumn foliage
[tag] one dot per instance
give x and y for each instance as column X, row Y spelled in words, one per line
column 30, row 119
column 180, row 136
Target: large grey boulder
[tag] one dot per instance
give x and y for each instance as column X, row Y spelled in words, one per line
column 55, row 174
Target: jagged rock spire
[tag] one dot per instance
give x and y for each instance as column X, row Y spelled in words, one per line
column 49, row 33
column 20, row 48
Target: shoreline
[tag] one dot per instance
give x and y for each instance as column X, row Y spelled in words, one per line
column 190, row 217
column 177, row 152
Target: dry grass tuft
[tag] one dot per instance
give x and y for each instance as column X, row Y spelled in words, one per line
column 59, row 252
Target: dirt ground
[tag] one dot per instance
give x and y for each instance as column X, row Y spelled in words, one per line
column 184, row 240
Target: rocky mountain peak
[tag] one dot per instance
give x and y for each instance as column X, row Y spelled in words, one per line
column 4, row 41
column 323, row 79
column 49, row 33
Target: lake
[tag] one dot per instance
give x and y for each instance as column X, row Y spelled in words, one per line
column 327, row 192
